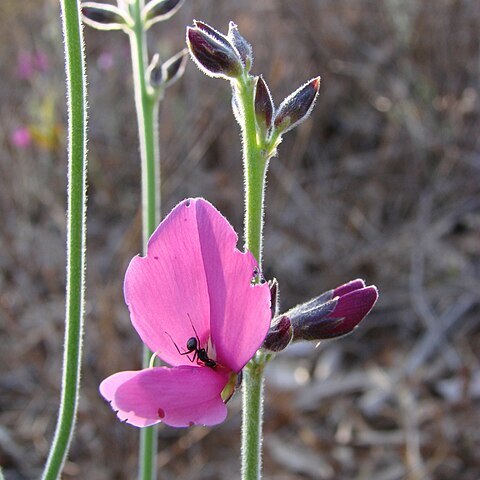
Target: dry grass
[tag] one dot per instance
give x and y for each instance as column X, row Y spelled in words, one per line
column 383, row 182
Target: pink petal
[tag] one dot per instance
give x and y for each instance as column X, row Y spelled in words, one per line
column 180, row 396
column 193, row 274
column 108, row 388
column 349, row 287
column 239, row 312
column 168, row 285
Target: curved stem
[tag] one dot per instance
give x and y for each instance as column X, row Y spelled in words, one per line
column 147, row 118
column 255, row 164
column 76, row 230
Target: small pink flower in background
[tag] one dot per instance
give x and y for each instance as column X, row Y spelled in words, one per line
column 105, row 61
column 41, row 62
column 192, row 302
column 21, row 137
column 29, row 64
column 25, row 68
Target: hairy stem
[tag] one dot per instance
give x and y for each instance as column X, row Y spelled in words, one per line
column 255, row 163
column 147, row 118
column 76, row 232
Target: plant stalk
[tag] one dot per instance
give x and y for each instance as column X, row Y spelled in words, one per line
column 147, row 117
column 76, row 233
column 255, row 164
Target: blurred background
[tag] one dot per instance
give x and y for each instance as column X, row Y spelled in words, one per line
column 382, row 183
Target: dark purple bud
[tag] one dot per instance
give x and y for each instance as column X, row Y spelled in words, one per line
column 159, row 10
column 243, row 47
column 279, row 335
column 274, row 297
column 297, row 106
column 264, row 107
column 213, row 53
column 103, row 16
column 174, row 67
column 154, row 72
column 334, row 313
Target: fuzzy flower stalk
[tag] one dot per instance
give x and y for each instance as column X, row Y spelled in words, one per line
column 192, row 301
column 151, row 78
column 262, row 124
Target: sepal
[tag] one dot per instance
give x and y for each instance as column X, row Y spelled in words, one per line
column 244, row 49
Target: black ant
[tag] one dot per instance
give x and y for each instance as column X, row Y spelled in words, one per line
column 193, row 346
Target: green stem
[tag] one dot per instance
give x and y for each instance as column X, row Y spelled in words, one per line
column 255, row 163
column 76, row 231
column 147, row 118
column 255, row 166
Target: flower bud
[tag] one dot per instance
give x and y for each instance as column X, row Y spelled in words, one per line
column 244, row 49
column 159, row 10
column 334, row 313
column 154, row 72
column 161, row 76
column 212, row 52
column 297, row 106
column 174, row 67
column 279, row 335
column 264, row 107
column 103, row 16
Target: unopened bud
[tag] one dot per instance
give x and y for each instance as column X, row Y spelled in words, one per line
column 279, row 335
column 264, row 107
column 243, row 47
column 334, row 313
column 297, row 106
column 103, row 16
column 212, row 52
column 174, row 67
column 154, row 72
column 159, row 10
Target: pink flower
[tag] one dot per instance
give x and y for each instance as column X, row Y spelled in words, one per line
column 192, row 302
column 21, row 137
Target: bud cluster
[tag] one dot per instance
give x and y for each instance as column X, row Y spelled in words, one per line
column 273, row 123
column 162, row 75
column 103, row 16
column 230, row 57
